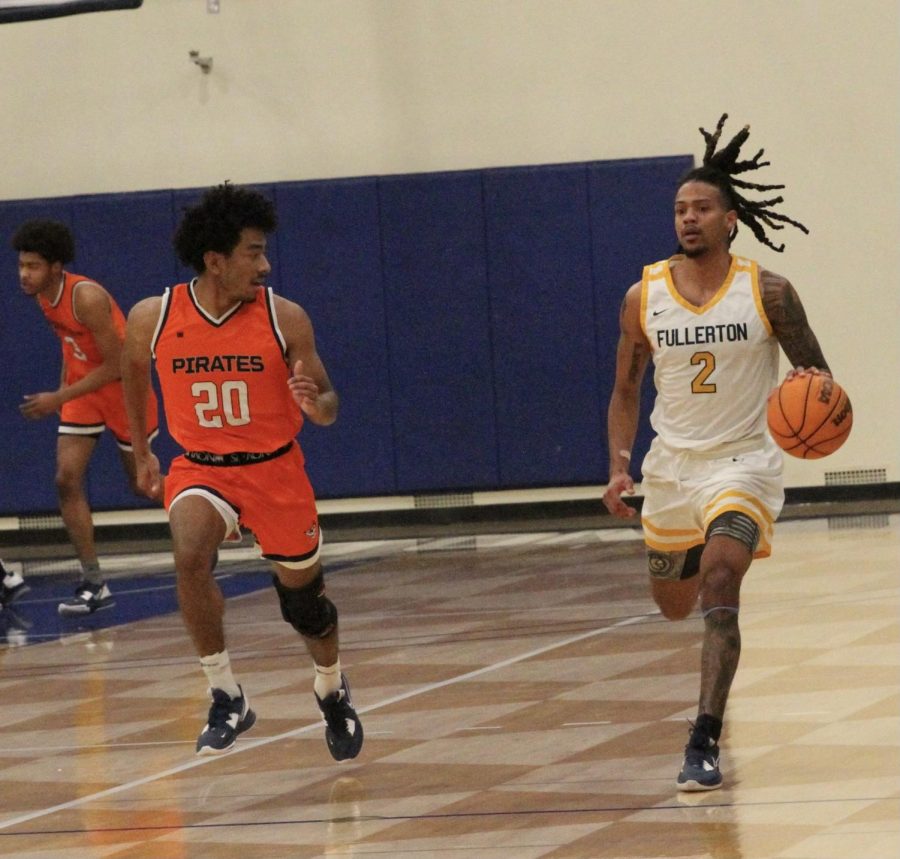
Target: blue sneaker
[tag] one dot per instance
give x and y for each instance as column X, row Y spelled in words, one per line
column 343, row 731
column 700, row 770
column 228, row 717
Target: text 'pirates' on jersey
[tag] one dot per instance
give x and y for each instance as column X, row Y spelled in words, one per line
column 715, row 365
column 224, row 381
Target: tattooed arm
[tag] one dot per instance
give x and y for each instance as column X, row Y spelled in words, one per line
column 789, row 323
column 632, row 355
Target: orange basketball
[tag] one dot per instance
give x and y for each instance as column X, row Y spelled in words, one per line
column 809, row 415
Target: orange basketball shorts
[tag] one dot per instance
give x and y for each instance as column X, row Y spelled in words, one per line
column 92, row 413
column 274, row 499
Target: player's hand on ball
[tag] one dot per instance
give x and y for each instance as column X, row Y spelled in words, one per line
column 806, row 371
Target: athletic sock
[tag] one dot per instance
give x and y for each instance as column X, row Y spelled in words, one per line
column 706, row 729
column 90, row 572
column 328, row 679
column 217, row 669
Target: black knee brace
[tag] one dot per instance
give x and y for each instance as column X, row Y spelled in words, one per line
column 307, row 609
column 739, row 526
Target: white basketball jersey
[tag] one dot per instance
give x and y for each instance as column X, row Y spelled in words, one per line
column 715, row 365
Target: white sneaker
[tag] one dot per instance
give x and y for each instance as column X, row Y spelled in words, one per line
column 88, row 599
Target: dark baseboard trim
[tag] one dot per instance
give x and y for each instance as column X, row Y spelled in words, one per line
column 430, row 522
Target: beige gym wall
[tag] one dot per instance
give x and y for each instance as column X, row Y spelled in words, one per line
column 303, row 89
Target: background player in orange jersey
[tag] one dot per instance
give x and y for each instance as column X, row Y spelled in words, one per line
column 238, row 369
column 91, row 327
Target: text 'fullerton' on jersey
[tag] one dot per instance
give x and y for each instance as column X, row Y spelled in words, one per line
column 714, row 365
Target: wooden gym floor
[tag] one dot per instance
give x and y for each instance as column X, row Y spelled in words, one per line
column 521, row 698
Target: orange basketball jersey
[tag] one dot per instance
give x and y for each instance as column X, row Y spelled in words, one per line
column 80, row 352
column 224, row 381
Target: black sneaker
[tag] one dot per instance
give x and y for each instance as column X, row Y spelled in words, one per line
column 88, row 599
column 228, row 717
column 700, row 770
column 14, row 586
column 344, row 731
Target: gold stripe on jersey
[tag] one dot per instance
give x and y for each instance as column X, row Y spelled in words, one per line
column 757, row 297
column 720, row 293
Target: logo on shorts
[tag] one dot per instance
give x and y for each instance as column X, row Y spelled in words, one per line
column 660, row 563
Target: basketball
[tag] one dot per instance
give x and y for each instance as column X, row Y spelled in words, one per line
column 809, row 415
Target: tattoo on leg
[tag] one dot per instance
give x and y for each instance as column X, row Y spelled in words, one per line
column 719, row 659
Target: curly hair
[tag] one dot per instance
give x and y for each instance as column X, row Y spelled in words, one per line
column 51, row 240
column 720, row 169
column 215, row 223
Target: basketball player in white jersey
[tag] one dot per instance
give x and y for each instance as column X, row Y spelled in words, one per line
column 712, row 322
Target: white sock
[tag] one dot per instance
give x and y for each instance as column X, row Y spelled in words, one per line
column 90, row 572
column 328, row 679
column 217, row 668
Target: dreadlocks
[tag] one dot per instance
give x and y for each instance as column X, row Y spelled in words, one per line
column 720, row 169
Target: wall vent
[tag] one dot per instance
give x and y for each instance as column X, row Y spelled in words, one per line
column 855, row 476
column 67, row 568
column 453, row 544
column 445, row 499
column 865, row 520
column 40, row 522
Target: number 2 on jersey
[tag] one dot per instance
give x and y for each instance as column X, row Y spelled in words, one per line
column 707, row 363
column 227, row 401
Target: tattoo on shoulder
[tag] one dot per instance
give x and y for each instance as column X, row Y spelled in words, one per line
column 789, row 323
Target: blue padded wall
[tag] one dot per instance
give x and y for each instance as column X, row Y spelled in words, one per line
column 329, row 261
column 123, row 242
column 468, row 320
column 632, row 213
column 30, row 357
column 542, row 320
column 439, row 338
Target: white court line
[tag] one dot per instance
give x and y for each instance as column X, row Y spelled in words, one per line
column 246, row 746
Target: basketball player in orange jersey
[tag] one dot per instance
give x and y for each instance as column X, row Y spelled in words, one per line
column 239, row 370
column 91, row 327
column 712, row 322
